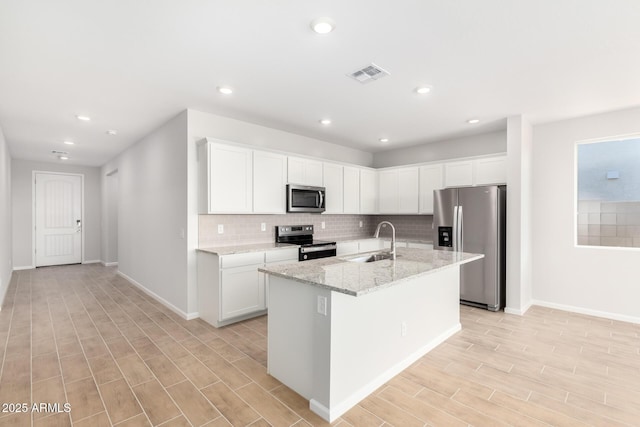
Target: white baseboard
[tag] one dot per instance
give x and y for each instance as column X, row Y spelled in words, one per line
column 589, row 312
column 518, row 311
column 24, row 267
column 6, row 288
column 92, row 261
column 331, row 414
column 109, row 264
column 186, row 316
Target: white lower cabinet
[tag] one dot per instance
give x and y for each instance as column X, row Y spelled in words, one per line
column 241, row 291
column 417, row 245
column 281, row 256
column 347, row 248
column 386, row 244
column 230, row 287
column 369, row 245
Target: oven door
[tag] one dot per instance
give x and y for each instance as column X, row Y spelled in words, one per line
column 301, row 198
column 314, row 252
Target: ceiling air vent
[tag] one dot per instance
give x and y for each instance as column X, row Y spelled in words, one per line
column 369, row 73
column 58, row 152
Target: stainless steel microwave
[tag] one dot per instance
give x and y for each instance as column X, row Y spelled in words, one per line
column 303, row 198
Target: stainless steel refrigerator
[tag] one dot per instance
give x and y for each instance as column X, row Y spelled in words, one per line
column 473, row 219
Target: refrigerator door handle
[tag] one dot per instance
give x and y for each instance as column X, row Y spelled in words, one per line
column 460, row 230
column 455, row 229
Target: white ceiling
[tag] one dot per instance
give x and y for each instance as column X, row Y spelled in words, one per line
column 131, row 65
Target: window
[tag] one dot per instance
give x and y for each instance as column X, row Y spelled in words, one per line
column 608, row 190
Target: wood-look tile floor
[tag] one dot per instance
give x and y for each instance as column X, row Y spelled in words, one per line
column 84, row 336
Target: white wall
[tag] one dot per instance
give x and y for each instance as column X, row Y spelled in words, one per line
column 476, row 145
column 202, row 125
column 519, row 237
column 110, row 195
column 6, row 266
column 595, row 280
column 152, row 213
column 22, row 204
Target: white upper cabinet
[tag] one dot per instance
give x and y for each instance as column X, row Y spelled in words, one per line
column 304, row 171
column 430, row 179
column 458, row 174
column 351, row 196
column 491, row 170
column 368, row 191
column 388, row 191
column 237, row 180
column 479, row 171
column 269, row 181
column 226, row 179
column 398, row 191
column 333, row 183
column 408, row 194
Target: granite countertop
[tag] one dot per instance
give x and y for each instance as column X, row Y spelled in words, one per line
column 241, row 249
column 257, row 247
column 354, row 278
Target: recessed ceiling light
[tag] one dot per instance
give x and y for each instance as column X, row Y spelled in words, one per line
column 112, row 132
column 325, row 122
column 69, row 142
column 63, row 157
column 323, row 25
column 83, row 118
column 384, row 140
column 473, row 121
column 423, row 90
column 225, row 90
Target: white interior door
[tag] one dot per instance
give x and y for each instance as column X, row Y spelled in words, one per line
column 58, row 218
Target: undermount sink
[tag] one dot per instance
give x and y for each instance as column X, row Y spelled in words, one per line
column 371, row 258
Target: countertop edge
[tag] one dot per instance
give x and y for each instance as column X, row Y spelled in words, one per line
column 373, row 288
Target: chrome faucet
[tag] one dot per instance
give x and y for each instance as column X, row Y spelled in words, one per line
column 393, row 237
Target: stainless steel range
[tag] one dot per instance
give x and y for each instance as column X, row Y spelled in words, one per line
column 303, row 235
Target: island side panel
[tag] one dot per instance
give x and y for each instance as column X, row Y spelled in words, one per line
column 367, row 343
column 299, row 338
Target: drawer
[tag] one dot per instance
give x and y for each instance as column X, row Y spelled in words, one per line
column 240, row 260
column 289, row 254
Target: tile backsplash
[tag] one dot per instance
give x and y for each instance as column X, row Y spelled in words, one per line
column 246, row 229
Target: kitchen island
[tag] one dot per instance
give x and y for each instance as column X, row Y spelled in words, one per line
column 338, row 329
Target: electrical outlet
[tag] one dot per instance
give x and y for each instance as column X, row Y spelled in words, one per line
column 220, row 228
column 360, row 224
column 181, row 233
column 322, row 305
column 403, row 329
column 263, row 226
column 322, row 225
